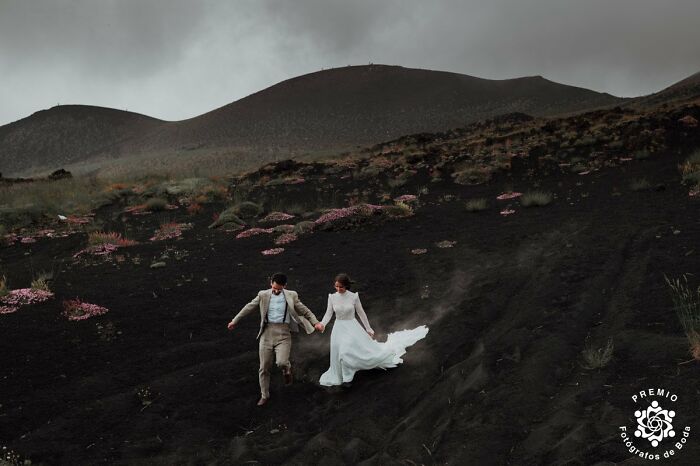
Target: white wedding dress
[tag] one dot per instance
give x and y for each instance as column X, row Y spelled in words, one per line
column 352, row 349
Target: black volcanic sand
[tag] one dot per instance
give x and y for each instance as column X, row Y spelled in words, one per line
column 497, row 380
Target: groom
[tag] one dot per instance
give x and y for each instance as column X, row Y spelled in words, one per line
column 279, row 316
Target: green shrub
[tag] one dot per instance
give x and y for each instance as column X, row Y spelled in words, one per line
column 296, row 209
column 535, row 199
column 691, row 178
column 156, row 204
column 305, row 226
column 473, row 175
column 398, row 181
column 640, row 184
column 40, row 283
column 247, row 209
column 476, row 205
column 642, row 154
column 400, row 209
column 228, row 216
column 578, row 168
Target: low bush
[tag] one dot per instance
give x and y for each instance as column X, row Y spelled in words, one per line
column 156, row 204
column 476, row 205
column 536, row 199
column 640, row 184
column 247, row 209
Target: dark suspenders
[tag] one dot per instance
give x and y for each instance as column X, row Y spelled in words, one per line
column 284, row 319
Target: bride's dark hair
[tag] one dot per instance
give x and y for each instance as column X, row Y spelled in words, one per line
column 344, row 279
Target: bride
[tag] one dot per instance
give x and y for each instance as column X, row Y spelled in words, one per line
column 353, row 348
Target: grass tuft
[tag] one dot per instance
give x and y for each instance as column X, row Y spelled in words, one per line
column 536, row 199
column 597, row 357
column 686, row 302
column 477, row 205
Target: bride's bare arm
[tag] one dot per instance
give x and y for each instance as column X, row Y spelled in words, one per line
column 329, row 313
column 363, row 316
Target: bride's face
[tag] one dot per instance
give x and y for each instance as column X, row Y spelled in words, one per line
column 339, row 287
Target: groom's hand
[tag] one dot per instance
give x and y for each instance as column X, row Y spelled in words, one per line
column 320, row 327
column 231, row 325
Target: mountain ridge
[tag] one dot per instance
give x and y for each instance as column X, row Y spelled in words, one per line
column 327, row 111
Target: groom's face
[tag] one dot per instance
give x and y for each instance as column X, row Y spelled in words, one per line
column 276, row 287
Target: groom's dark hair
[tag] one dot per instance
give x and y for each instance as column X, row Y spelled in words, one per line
column 279, row 278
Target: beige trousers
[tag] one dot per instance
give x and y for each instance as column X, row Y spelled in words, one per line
column 275, row 342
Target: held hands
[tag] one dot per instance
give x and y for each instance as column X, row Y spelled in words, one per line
column 370, row 332
column 230, row 325
column 320, row 327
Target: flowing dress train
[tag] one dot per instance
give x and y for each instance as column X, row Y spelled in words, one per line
column 352, row 349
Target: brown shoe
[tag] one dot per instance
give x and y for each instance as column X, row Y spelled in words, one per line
column 288, row 378
column 262, row 401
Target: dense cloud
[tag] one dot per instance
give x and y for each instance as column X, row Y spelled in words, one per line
column 175, row 59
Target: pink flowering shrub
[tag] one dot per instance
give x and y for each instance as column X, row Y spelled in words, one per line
column 75, row 309
column 277, row 216
column 272, row 252
column 336, row 214
column 252, row 232
column 27, row 240
column 25, row 296
column 381, row 162
column 510, row 195
column 8, row 309
column 141, row 209
column 505, row 212
column 99, row 238
column 406, row 198
column 102, row 244
column 16, row 298
column 48, row 233
column 286, row 238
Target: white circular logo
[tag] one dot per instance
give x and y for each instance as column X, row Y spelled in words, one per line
column 654, row 423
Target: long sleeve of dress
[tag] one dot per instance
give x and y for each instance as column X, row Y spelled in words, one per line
column 361, row 312
column 329, row 313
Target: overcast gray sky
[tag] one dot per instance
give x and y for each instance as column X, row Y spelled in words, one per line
column 176, row 59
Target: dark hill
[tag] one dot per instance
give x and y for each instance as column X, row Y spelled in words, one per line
column 69, row 134
column 326, row 111
column 686, row 89
column 359, row 105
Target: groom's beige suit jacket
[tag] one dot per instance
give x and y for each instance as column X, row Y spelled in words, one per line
column 298, row 312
